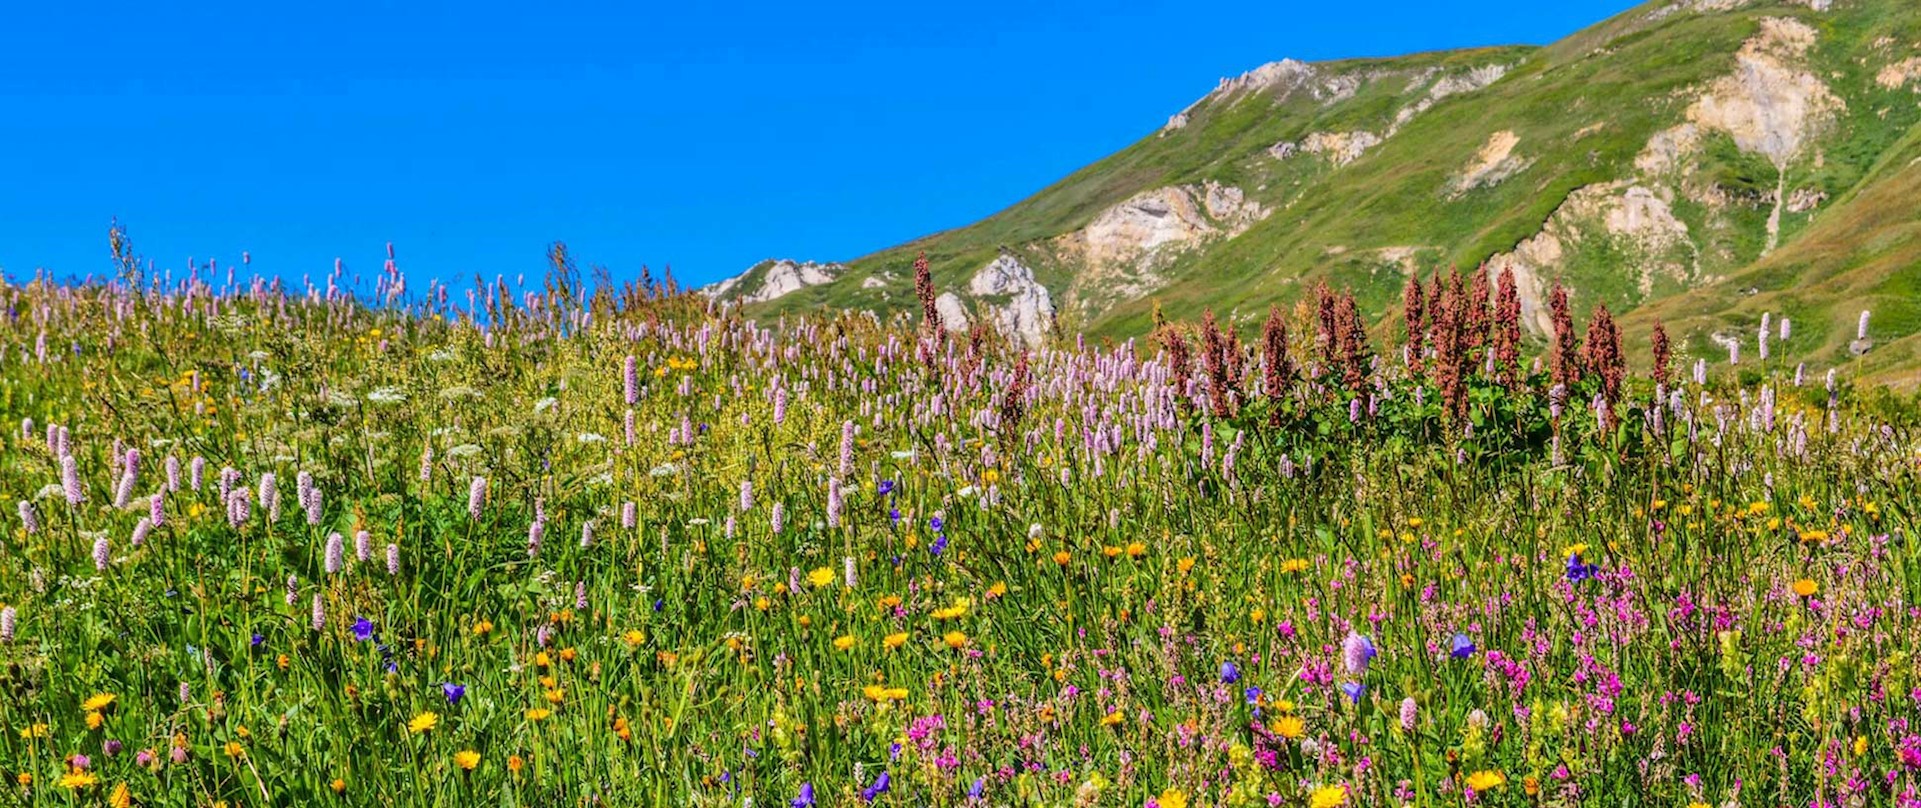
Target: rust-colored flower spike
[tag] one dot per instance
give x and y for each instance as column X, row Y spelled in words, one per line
column 1662, row 353
column 1279, row 373
column 1436, row 285
column 924, row 289
column 976, row 350
column 1507, row 330
column 1217, row 361
column 1356, row 353
column 1564, row 362
column 1604, row 353
column 1413, row 315
column 1014, row 398
column 1475, row 320
column 1326, row 337
column 1449, row 350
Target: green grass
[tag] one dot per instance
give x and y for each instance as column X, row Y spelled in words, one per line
column 1615, row 84
column 1067, row 644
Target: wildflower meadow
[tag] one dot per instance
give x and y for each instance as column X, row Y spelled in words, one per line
column 575, row 542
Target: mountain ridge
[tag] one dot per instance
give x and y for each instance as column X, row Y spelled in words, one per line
column 1642, row 162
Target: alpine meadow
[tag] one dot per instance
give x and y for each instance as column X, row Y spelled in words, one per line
column 1506, row 427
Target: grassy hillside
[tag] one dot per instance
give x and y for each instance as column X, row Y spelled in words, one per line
column 1640, row 162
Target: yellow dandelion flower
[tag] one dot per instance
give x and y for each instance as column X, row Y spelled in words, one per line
column 1806, row 587
column 843, row 642
column 98, row 702
column 539, row 714
column 78, row 778
column 423, row 722
column 1328, row 797
column 1289, row 727
column 821, row 576
column 955, row 639
column 1485, row 780
column 895, row 640
column 467, row 759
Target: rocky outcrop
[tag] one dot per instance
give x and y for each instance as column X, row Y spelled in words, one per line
column 1668, row 149
column 953, row 312
column 1448, row 85
column 1899, row 74
column 1125, row 249
column 1771, row 105
column 1494, row 163
column 1280, row 77
column 1018, row 306
column 1636, row 219
column 769, row 280
column 1340, row 148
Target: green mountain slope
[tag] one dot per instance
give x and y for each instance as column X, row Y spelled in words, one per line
column 1702, row 161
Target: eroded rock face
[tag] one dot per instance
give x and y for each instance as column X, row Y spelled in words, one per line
column 1340, row 148
column 1495, row 162
column 1284, row 75
column 1450, row 85
column 1025, row 311
column 782, row 277
column 1899, row 74
column 1668, row 149
column 953, row 312
column 1637, row 218
column 1771, row 105
column 1125, row 249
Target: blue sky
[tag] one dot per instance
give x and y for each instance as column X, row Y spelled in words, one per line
column 701, row 136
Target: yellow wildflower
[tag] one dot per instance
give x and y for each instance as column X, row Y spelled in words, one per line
column 1485, row 780
column 1328, row 797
